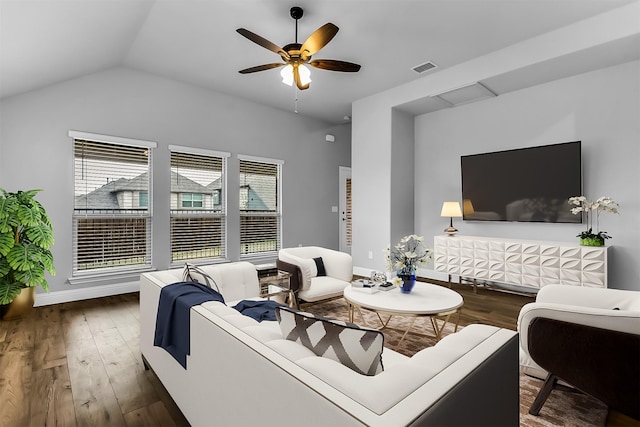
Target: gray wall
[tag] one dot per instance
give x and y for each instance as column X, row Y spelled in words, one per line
column 601, row 108
column 36, row 152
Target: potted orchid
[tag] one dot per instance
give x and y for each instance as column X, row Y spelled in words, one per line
column 404, row 258
column 592, row 210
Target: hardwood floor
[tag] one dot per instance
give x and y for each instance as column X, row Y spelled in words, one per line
column 79, row 364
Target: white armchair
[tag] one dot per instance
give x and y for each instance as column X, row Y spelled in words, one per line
column 309, row 284
column 587, row 337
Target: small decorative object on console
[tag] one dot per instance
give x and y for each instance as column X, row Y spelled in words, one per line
column 378, row 277
column 387, row 286
column 365, row 285
column 602, row 204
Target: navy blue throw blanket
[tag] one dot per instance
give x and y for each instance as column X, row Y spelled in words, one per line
column 172, row 320
column 259, row 310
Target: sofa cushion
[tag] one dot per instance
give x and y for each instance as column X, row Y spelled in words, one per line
column 357, row 348
column 192, row 273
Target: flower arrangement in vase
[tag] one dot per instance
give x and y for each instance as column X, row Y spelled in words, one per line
column 592, row 209
column 404, row 258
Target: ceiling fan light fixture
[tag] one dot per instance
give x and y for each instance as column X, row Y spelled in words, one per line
column 287, row 75
column 305, row 75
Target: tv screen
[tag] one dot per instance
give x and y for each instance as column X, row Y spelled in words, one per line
column 523, row 185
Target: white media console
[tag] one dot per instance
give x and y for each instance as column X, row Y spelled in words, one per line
column 525, row 263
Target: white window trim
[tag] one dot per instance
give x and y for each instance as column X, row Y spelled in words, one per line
column 91, row 276
column 202, row 151
column 118, row 140
column 260, row 159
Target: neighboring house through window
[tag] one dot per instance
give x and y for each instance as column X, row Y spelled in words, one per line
column 112, row 216
column 260, row 208
column 198, row 210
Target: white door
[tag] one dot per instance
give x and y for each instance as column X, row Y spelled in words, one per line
column 345, row 209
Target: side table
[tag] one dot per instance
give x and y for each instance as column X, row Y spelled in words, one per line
column 277, row 284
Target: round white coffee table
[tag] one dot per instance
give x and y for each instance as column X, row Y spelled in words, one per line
column 426, row 300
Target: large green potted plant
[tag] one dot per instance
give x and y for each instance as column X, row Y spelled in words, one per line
column 26, row 237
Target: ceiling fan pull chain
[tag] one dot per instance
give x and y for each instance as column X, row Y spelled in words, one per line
column 295, row 106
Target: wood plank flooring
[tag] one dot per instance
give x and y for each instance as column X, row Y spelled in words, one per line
column 79, row 364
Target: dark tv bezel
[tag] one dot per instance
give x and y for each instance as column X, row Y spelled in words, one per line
column 537, row 147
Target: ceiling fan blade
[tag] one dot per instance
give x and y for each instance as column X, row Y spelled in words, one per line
column 335, row 65
column 296, row 77
column 264, row 43
column 318, row 40
column 261, row 68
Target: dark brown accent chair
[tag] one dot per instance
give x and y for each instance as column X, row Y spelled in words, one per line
column 585, row 338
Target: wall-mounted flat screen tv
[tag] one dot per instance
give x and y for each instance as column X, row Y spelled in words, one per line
column 523, row 185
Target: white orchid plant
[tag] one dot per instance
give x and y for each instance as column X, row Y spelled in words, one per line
column 407, row 256
column 592, row 210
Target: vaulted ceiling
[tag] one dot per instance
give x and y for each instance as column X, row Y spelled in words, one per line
column 43, row 42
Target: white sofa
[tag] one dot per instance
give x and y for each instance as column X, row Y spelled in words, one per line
column 243, row 373
column 307, row 285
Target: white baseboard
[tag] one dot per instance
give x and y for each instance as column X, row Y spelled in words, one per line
column 58, row 297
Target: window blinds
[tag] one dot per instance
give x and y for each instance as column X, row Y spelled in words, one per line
column 112, row 215
column 260, row 211
column 198, row 214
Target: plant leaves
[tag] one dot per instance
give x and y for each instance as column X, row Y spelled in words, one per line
column 8, row 218
column 29, row 215
column 9, row 291
column 7, row 242
column 32, row 277
column 22, row 257
column 41, row 235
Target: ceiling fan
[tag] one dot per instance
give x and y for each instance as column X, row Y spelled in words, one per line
column 296, row 55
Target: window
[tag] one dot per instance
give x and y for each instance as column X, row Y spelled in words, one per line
column 112, row 215
column 143, row 199
column 260, row 211
column 192, row 200
column 198, row 211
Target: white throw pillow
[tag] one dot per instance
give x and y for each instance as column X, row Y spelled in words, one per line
column 359, row 349
column 192, row 273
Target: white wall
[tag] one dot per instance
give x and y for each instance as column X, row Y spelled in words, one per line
column 535, row 61
column 600, row 108
column 36, row 151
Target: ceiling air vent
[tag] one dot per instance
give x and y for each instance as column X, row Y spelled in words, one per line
column 423, row 68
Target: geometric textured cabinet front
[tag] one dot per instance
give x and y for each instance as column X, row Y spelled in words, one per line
column 528, row 263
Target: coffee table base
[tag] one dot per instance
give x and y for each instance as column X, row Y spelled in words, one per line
column 433, row 318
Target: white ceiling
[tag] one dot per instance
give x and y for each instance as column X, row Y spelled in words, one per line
column 194, row 41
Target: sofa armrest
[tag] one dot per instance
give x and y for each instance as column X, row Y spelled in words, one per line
column 590, row 297
column 295, row 281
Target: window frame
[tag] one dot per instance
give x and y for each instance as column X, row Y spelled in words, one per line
column 277, row 214
column 192, row 212
column 90, row 275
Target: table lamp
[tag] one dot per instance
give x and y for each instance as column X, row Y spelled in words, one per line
column 451, row 209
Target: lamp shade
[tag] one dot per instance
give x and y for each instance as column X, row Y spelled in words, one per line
column 451, row 209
